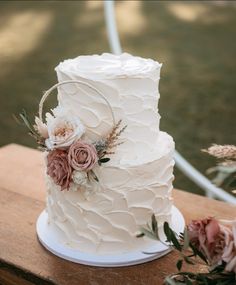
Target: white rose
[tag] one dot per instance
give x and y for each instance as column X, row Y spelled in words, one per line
column 41, row 128
column 63, row 130
column 80, row 177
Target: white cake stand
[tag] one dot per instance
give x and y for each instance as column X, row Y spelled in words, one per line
column 50, row 237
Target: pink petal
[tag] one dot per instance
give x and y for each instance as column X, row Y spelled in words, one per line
column 212, row 230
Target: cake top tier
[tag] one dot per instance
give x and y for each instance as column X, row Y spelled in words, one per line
column 108, row 65
column 130, row 85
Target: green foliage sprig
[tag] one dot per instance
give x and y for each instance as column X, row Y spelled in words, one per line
column 189, row 254
column 25, row 121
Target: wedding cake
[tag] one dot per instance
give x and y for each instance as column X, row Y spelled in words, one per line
column 98, row 199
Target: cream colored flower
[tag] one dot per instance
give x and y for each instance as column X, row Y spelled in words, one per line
column 63, row 130
column 80, row 177
column 41, row 128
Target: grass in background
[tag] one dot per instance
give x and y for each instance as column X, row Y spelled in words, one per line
column 195, row 41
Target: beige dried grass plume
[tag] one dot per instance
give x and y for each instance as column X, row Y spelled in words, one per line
column 222, row 151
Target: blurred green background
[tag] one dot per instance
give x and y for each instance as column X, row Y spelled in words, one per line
column 195, row 41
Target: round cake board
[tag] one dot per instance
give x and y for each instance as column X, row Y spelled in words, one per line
column 51, row 238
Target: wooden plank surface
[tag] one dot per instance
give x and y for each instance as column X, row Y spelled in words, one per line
column 22, row 195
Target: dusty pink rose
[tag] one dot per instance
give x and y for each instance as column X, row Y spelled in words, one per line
column 229, row 251
column 216, row 241
column 82, row 156
column 58, row 168
column 206, row 236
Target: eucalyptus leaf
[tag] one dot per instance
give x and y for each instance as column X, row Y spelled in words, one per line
column 198, row 253
column 140, row 235
column 104, row 160
column 175, row 241
column 26, row 121
column 155, row 226
column 167, row 231
column 179, row 264
column 171, row 236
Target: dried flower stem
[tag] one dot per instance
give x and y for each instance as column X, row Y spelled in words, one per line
column 24, row 120
column 111, row 140
column 222, row 151
column 105, row 146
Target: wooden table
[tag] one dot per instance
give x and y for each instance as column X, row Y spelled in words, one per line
column 22, row 258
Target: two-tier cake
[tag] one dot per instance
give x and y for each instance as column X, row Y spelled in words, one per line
column 100, row 205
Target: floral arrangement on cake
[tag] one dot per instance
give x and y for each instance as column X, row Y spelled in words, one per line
column 208, row 242
column 71, row 159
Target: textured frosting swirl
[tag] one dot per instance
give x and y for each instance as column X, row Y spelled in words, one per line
column 108, row 66
column 107, row 220
column 137, row 181
column 130, row 84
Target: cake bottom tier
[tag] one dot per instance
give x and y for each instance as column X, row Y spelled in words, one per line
column 106, row 219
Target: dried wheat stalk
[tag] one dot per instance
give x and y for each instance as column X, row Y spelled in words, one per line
column 222, row 151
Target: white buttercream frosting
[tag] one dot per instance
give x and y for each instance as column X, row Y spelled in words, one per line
column 110, row 66
column 108, row 220
column 104, row 218
column 130, row 84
